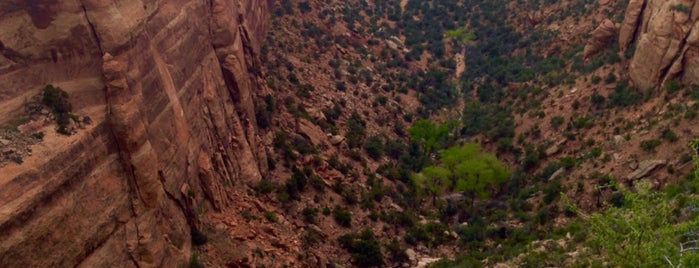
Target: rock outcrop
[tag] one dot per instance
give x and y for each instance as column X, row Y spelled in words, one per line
column 644, row 168
column 167, row 86
column 666, row 36
column 600, row 38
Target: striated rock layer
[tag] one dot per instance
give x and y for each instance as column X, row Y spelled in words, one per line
column 666, row 35
column 168, row 87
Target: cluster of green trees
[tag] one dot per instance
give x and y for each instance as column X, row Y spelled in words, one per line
column 465, row 168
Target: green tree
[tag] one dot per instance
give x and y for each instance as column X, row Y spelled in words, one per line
column 464, row 168
column 474, row 170
column 645, row 232
column 355, row 130
column 433, row 180
column 430, row 135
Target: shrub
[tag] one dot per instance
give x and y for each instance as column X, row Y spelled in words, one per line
column 610, row 78
column 264, row 186
column 557, row 121
column 669, row 135
column 374, row 147
column 269, row 215
column 342, row 216
column 57, row 99
column 649, row 145
column 355, row 130
column 309, row 214
column 364, row 248
column 672, row 86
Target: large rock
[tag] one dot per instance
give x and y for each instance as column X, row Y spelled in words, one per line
column 630, row 23
column 599, row 38
column 644, row 168
column 167, row 87
column 666, row 41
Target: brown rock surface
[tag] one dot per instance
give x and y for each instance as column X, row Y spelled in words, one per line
column 167, row 86
column 665, row 39
column 600, row 38
column 644, row 168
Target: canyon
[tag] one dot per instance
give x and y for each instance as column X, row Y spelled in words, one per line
column 177, row 142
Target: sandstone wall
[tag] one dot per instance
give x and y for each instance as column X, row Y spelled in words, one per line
column 666, row 38
column 167, row 85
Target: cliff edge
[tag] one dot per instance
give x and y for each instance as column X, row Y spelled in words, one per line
column 169, row 87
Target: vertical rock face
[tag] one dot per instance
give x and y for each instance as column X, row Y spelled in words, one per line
column 167, row 86
column 666, row 41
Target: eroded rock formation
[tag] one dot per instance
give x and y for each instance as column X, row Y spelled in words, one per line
column 666, row 37
column 599, row 39
column 167, row 86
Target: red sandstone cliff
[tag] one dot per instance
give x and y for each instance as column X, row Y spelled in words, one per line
column 168, row 87
column 666, row 39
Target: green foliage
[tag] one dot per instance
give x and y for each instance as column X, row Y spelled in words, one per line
column 433, row 180
column 464, row 168
column 557, row 121
column 374, row 147
column 270, row 216
column 494, row 121
column 342, row 216
column 264, row 186
column 435, row 90
column 430, row 135
column 296, row 183
column 57, row 99
column 364, row 248
column 194, row 261
column 669, row 135
column 645, row 231
column 460, row 34
column 681, row 8
column 355, row 130
column 672, row 86
column 624, row 96
column 263, row 112
column 309, row 214
column 649, row 145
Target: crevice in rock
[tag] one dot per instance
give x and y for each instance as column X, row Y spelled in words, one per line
column 92, row 28
column 665, row 73
column 637, row 30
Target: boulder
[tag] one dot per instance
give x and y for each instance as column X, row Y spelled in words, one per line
column 557, row 174
column 412, row 255
column 630, row 23
column 600, row 38
column 336, row 139
column 644, row 168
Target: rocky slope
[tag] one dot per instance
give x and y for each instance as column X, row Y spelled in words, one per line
column 168, row 88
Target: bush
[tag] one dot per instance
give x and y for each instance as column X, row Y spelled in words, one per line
column 557, row 121
column 309, row 214
column 296, row 183
column 355, row 130
column 57, row 99
column 669, row 135
column 269, row 215
column 649, row 145
column 342, row 216
column 672, row 86
column 364, row 248
column 374, row 147
column 264, row 186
